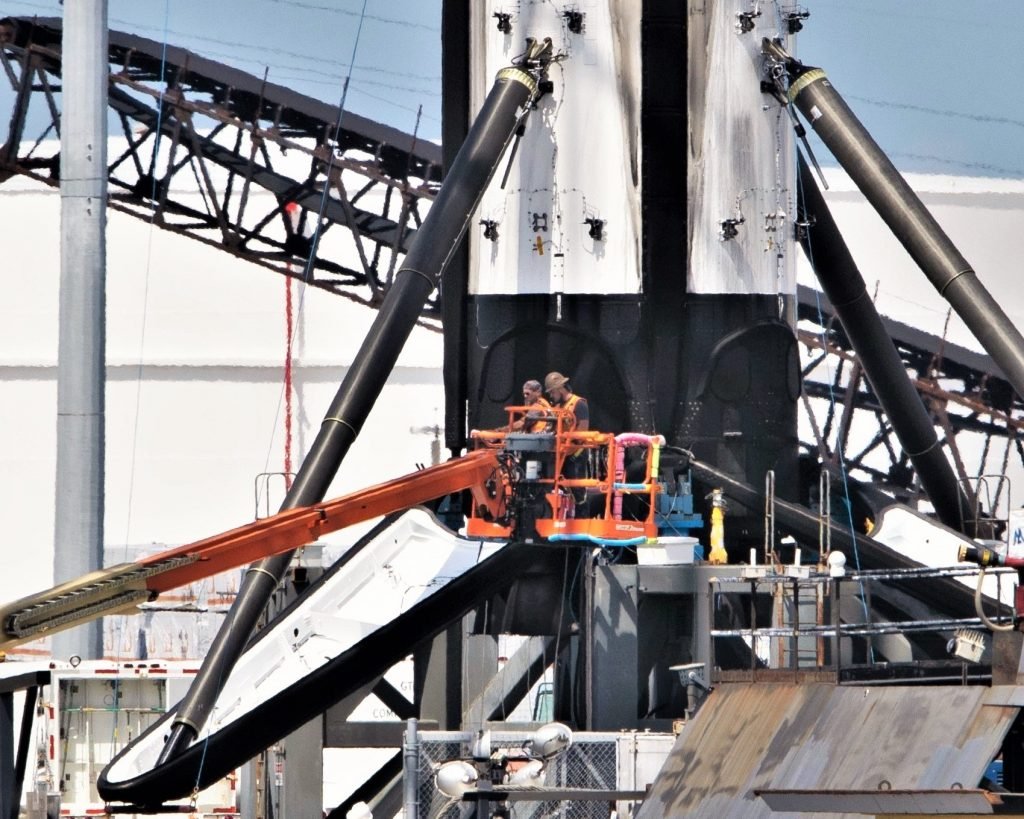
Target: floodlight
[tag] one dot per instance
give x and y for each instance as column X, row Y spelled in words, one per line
column 549, row 740
column 836, row 564
column 967, row 644
column 454, row 778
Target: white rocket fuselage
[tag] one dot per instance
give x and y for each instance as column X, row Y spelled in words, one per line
column 642, row 240
column 577, row 170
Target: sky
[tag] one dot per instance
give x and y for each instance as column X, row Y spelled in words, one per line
column 936, row 82
column 306, row 46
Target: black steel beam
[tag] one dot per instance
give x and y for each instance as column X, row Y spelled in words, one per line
column 13, row 762
column 382, row 734
column 833, row 264
column 502, row 113
column 204, row 763
column 901, row 209
column 943, row 594
column 387, row 777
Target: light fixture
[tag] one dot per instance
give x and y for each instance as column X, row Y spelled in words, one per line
column 549, row 740
column 836, row 564
column 454, row 778
column 967, row 644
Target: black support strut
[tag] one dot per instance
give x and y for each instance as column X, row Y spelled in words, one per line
column 502, row 113
column 910, row 221
column 843, row 284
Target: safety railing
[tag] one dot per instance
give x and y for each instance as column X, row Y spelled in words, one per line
column 805, row 622
column 576, row 480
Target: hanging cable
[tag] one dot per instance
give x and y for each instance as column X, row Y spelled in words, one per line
column 116, row 647
column 310, row 260
column 980, row 611
column 843, row 474
column 145, row 290
column 289, row 334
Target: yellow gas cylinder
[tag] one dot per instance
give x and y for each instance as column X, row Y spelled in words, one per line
column 718, row 555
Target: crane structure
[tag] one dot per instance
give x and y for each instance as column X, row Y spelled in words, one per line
column 187, row 120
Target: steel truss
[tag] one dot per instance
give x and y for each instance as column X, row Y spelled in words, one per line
column 978, row 417
column 247, row 150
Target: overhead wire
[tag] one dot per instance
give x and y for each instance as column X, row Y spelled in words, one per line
column 55, row 7
column 315, row 238
column 940, row 112
column 316, row 59
column 236, row 50
column 119, row 625
column 346, row 12
column 331, row 75
column 147, row 268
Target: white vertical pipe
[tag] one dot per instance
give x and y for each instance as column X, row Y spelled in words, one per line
column 78, row 526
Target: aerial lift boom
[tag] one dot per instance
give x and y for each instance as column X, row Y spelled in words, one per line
column 126, row 585
column 529, row 511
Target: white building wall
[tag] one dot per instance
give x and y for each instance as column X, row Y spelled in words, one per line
column 196, row 343
column 983, row 217
column 195, row 411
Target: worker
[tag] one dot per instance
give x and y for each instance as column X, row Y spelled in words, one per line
column 560, row 394
column 533, row 393
column 533, row 396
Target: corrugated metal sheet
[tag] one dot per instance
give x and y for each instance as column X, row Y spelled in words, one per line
column 768, row 736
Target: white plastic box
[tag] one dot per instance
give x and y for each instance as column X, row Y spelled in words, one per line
column 669, row 551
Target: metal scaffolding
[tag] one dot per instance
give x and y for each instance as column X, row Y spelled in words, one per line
column 978, row 416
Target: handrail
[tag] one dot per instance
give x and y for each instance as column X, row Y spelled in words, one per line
column 565, row 515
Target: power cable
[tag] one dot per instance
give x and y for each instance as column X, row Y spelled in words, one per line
column 939, row 112
column 145, row 298
column 315, row 238
column 317, row 59
column 375, row 18
column 843, row 472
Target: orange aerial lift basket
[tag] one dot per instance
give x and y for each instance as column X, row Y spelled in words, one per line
column 559, row 484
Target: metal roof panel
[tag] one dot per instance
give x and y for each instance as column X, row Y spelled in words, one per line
column 764, row 736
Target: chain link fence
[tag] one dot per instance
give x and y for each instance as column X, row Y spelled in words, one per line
column 592, row 761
